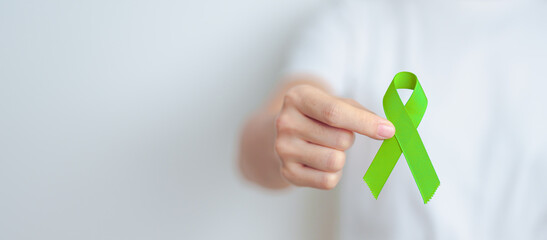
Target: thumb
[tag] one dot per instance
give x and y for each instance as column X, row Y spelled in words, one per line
column 386, row 130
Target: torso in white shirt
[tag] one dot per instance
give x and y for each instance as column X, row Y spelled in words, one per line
column 483, row 67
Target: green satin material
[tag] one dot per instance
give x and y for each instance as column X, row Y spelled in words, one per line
column 407, row 141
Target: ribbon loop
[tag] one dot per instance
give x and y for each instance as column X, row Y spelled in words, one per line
column 407, row 141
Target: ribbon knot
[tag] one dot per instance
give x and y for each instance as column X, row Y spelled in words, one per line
column 407, row 141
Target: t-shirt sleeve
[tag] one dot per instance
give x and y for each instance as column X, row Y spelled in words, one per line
column 321, row 49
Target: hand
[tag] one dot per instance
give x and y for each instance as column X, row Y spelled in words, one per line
column 313, row 131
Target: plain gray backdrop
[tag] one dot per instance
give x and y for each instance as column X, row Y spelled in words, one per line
column 120, row 119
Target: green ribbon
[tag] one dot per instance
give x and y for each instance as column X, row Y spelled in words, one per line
column 405, row 118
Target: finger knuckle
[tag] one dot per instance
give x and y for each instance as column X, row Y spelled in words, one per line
column 331, row 113
column 344, row 140
column 290, row 97
column 293, row 94
column 329, row 181
column 336, row 160
column 281, row 147
column 283, row 123
column 288, row 173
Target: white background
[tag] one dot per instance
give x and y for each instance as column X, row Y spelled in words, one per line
column 119, row 120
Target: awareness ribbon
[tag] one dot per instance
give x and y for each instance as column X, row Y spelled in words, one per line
column 407, row 141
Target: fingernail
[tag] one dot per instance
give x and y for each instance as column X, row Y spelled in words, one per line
column 386, row 130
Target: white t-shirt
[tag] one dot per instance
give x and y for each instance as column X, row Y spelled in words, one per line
column 483, row 67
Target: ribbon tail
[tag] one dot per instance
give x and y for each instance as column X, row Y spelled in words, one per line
column 418, row 161
column 427, row 185
column 382, row 165
column 424, row 174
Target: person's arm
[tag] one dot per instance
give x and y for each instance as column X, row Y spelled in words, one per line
column 300, row 135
